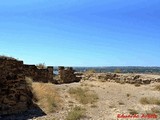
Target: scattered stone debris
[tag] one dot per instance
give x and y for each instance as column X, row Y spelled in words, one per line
column 121, row 78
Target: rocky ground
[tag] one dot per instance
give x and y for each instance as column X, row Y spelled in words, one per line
column 114, row 98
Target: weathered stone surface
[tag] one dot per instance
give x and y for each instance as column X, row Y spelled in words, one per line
column 67, row 75
column 15, row 92
column 121, row 78
column 39, row 75
column 11, row 77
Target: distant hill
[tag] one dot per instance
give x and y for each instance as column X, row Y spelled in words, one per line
column 126, row 69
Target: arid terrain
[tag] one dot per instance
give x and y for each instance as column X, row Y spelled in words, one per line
column 97, row 99
column 108, row 99
column 113, row 99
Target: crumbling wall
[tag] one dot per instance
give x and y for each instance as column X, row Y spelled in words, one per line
column 15, row 93
column 121, row 78
column 67, row 75
column 39, row 75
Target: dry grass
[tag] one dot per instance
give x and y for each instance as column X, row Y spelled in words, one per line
column 76, row 113
column 94, row 106
column 90, row 71
column 121, row 103
column 156, row 110
column 112, row 106
column 41, row 66
column 157, row 87
column 29, row 81
column 150, row 100
column 132, row 111
column 46, row 96
column 84, row 84
column 83, row 95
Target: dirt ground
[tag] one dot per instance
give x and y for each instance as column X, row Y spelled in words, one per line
column 114, row 99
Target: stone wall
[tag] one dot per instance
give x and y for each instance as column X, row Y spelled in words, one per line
column 15, row 93
column 39, row 75
column 67, row 75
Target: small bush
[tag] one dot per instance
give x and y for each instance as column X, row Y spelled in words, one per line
column 132, row 111
column 112, row 106
column 90, row 71
column 121, row 103
column 128, row 95
column 150, row 100
column 157, row 87
column 117, row 71
column 76, row 113
column 155, row 110
column 41, row 66
column 94, row 106
column 84, row 95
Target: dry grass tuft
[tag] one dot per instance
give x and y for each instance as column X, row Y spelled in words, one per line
column 128, row 95
column 121, row 103
column 76, row 113
column 112, row 106
column 132, row 111
column 83, row 95
column 94, row 106
column 29, row 81
column 90, row 71
column 150, row 100
column 157, row 87
column 41, row 66
column 155, row 110
column 46, row 96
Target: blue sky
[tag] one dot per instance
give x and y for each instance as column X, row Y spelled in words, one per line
column 81, row 33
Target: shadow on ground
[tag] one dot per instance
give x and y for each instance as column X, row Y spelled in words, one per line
column 29, row 114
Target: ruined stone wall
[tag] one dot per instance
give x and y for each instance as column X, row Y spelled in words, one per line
column 67, row 75
column 121, row 78
column 15, row 93
column 39, row 75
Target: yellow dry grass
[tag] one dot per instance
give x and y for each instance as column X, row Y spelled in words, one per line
column 84, row 95
column 150, row 100
column 46, row 96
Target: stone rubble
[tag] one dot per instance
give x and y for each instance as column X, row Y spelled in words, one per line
column 120, row 78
